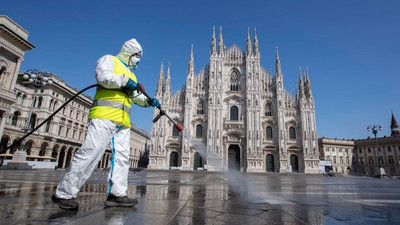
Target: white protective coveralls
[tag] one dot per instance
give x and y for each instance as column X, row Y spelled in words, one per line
column 102, row 132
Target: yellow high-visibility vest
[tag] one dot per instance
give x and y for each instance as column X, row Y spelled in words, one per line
column 113, row 104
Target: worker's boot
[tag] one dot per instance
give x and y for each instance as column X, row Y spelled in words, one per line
column 120, row 201
column 65, row 203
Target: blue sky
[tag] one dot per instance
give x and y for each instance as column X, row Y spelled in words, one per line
column 351, row 48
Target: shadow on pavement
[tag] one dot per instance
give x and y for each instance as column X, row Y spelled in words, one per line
column 62, row 215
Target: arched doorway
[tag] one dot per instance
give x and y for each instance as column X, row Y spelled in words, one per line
column 42, row 151
column 270, row 163
column 103, row 162
column 69, row 158
column 14, row 149
column 173, row 159
column 54, row 153
column 234, row 157
column 28, row 147
column 108, row 160
column 198, row 161
column 61, row 157
column 4, row 143
column 294, row 162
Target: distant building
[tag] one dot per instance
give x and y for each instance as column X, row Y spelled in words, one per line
column 388, row 152
column 338, row 152
column 13, row 45
column 362, row 156
column 240, row 112
column 140, row 142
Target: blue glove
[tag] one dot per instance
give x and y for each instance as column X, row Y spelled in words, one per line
column 154, row 102
column 131, row 85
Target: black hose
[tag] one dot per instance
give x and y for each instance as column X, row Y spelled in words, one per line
column 49, row 118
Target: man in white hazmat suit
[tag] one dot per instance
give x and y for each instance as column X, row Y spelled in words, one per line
column 109, row 124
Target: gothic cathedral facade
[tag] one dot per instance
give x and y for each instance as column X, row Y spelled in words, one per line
column 237, row 116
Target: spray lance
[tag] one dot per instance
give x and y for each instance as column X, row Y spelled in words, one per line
column 162, row 112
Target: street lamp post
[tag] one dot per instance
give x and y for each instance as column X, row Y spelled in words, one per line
column 34, row 79
column 375, row 129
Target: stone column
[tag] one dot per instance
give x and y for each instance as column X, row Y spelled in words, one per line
column 15, row 75
column 58, row 156
column 284, row 163
column 185, row 163
column 64, row 158
column 47, row 152
column 2, row 123
column 35, row 151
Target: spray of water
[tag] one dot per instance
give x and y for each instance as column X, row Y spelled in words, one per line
column 235, row 179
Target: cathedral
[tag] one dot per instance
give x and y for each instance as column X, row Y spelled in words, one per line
column 240, row 114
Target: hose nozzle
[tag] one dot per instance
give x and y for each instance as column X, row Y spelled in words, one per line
column 179, row 127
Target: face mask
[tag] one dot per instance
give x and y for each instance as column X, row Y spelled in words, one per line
column 134, row 61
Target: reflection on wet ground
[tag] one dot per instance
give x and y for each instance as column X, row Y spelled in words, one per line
column 173, row 197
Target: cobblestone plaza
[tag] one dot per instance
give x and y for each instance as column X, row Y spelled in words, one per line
column 176, row 197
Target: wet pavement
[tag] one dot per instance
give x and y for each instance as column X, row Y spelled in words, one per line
column 173, row 197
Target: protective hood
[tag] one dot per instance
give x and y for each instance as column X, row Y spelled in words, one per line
column 129, row 48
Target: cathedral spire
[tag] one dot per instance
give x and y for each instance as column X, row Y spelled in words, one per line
column 220, row 42
column 190, row 71
column 299, row 72
column 213, row 44
column 306, row 75
column 255, row 45
column 394, row 127
column 191, row 52
column 307, row 84
column 168, row 80
column 278, row 63
column 300, row 76
column 248, row 42
column 160, row 80
column 191, row 61
column 301, row 84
